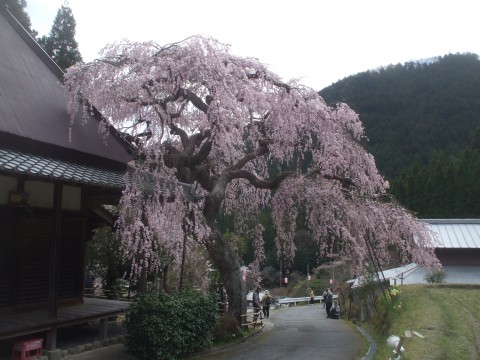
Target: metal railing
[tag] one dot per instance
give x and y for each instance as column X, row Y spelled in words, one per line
column 294, row 301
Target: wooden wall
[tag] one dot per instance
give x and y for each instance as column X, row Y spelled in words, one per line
column 24, row 258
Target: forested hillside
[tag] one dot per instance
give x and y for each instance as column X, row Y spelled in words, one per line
column 448, row 187
column 414, row 110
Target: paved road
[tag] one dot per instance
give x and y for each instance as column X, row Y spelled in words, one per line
column 301, row 332
column 297, row 333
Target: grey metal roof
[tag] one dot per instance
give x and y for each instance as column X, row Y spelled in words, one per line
column 20, row 163
column 456, row 233
column 399, row 272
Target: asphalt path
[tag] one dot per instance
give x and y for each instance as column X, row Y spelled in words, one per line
column 297, row 333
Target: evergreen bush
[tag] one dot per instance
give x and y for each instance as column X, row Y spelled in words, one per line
column 171, row 326
column 436, row 277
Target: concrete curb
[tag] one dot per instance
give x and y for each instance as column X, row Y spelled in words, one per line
column 75, row 350
column 373, row 345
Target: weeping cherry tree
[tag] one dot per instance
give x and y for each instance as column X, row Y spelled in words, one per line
column 198, row 114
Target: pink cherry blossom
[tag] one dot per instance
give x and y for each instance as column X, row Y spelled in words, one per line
column 200, row 115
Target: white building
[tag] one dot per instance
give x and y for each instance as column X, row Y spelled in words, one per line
column 457, row 247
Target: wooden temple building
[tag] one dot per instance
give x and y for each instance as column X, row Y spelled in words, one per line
column 54, row 180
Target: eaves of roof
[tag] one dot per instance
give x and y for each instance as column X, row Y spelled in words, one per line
column 455, row 233
column 21, row 163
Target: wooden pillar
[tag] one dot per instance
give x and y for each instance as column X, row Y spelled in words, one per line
column 103, row 329
column 55, row 244
column 52, row 338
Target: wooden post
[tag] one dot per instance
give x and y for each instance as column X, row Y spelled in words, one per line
column 55, row 243
column 52, row 338
column 399, row 346
column 103, row 329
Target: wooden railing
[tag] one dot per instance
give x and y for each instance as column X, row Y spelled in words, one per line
column 109, row 294
column 252, row 319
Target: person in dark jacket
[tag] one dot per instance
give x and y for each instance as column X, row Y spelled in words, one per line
column 222, row 299
column 256, row 302
column 328, row 301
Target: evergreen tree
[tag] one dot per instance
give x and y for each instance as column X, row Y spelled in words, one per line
column 414, row 109
column 17, row 9
column 61, row 44
column 447, row 187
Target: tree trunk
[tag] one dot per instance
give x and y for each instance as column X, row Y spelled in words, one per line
column 228, row 266
column 142, row 282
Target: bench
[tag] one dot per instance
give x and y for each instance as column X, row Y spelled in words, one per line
column 252, row 319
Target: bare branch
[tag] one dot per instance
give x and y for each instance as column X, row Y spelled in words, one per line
column 259, row 75
column 257, row 182
column 261, row 150
column 346, row 182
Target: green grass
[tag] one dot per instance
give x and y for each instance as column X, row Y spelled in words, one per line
column 447, row 315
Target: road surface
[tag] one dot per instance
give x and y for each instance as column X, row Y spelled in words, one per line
column 296, row 333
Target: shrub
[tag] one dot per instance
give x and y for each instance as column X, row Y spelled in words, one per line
column 381, row 319
column 170, row 326
column 386, row 310
column 436, row 277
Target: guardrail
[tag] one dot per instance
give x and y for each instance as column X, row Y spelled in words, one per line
column 294, row 301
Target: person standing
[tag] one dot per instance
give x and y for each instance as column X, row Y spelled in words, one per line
column 222, row 299
column 312, row 297
column 256, row 303
column 329, row 301
column 324, row 296
column 266, row 301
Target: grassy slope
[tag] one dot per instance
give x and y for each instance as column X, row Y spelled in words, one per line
column 448, row 317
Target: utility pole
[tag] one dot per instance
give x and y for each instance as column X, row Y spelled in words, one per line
column 281, row 273
column 308, row 277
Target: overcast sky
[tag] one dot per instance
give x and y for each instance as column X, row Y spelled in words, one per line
column 318, row 41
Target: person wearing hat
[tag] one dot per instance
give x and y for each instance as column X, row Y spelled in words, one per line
column 266, row 301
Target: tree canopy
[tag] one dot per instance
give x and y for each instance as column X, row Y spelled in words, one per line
column 200, row 115
column 17, row 9
column 444, row 188
column 60, row 44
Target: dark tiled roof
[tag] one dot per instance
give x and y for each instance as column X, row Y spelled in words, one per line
column 35, row 165
column 20, row 163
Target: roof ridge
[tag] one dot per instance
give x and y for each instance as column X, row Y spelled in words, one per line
column 32, row 43
column 451, row 221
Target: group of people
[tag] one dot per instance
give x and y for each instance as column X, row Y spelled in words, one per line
column 331, row 306
column 262, row 304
